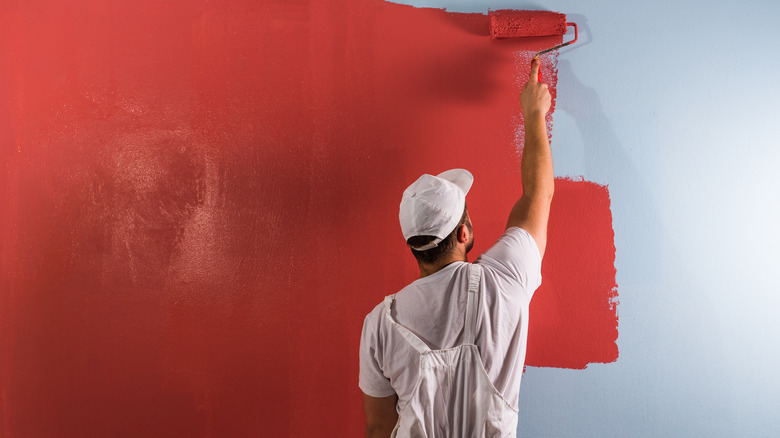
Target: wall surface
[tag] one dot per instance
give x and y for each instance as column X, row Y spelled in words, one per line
column 672, row 105
column 199, row 206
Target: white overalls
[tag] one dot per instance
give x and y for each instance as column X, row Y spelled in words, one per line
column 453, row 396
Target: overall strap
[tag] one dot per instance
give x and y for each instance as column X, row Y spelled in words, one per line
column 472, row 304
column 410, row 337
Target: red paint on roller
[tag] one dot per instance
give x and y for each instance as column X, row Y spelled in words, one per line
column 509, row 23
column 199, row 206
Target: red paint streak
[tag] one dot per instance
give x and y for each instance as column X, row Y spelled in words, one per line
column 200, row 202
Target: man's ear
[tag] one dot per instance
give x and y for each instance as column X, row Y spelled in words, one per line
column 463, row 233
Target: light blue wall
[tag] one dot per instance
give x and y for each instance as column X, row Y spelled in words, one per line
column 674, row 105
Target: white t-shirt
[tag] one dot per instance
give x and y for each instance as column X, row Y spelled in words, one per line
column 434, row 308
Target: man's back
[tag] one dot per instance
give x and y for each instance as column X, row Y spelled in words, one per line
column 433, row 308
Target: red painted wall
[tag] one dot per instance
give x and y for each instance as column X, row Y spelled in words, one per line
column 200, row 206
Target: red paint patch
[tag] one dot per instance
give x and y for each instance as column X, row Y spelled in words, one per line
column 200, row 206
column 574, row 312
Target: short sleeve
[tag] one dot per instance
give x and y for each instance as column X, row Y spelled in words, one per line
column 372, row 380
column 516, row 255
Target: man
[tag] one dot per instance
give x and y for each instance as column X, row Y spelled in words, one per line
column 444, row 356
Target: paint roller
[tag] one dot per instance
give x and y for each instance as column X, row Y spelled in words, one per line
column 511, row 23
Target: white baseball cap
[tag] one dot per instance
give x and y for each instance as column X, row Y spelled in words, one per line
column 433, row 205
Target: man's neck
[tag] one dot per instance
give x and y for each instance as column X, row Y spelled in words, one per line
column 429, row 269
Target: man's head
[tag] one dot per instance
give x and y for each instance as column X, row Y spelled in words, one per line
column 433, row 215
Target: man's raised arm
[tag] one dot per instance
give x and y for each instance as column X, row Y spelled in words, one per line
column 532, row 210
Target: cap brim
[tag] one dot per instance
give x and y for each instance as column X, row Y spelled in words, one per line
column 460, row 177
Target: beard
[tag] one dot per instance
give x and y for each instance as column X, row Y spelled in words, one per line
column 470, row 244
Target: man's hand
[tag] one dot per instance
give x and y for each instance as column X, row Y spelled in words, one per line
column 535, row 99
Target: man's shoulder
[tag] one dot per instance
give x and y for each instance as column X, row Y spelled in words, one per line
column 519, row 236
column 380, row 310
column 515, row 256
column 514, row 243
column 377, row 313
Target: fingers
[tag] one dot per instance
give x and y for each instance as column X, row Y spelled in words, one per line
column 534, row 69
